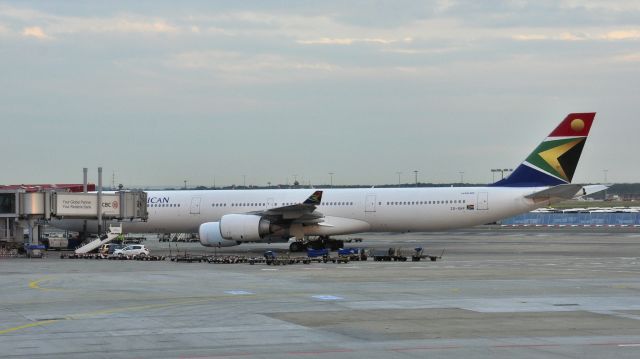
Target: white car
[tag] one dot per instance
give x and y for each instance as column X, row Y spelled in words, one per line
column 132, row 251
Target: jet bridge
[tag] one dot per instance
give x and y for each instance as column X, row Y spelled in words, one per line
column 20, row 210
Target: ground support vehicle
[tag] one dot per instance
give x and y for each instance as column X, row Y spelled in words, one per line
column 353, row 254
column 418, row 254
column 34, row 250
column 228, row 259
column 187, row 258
column 133, row 240
column 271, row 258
column 392, row 254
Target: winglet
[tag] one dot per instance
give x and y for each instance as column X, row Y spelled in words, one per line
column 314, row 199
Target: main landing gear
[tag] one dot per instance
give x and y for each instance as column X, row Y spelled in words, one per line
column 318, row 243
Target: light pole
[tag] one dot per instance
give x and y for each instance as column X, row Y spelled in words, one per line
column 415, row 172
column 461, row 177
column 398, row 173
column 331, row 179
column 185, row 184
column 244, row 181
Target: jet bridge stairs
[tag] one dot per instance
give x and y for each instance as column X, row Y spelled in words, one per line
column 112, row 234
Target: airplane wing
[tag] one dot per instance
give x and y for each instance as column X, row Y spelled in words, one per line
column 304, row 212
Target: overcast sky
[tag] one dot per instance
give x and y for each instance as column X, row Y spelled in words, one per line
column 159, row 92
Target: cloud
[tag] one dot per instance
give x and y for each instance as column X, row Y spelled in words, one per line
column 51, row 25
column 119, row 24
column 350, row 41
column 563, row 36
column 530, row 37
column 35, row 31
column 634, row 57
column 598, row 5
column 422, row 51
column 613, row 35
column 568, row 36
column 238, row 67
column 622, row 35
column 22, row 14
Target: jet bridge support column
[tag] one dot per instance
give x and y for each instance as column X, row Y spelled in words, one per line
column 7, row 228
column 100, row 200
column 33, row 231
column 85, row 171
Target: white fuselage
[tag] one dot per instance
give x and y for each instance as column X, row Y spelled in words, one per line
column 372, row 209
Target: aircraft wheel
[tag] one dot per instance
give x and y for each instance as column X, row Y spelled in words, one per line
column 296, row 247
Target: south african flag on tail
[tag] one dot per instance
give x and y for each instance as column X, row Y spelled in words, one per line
column 555, row 160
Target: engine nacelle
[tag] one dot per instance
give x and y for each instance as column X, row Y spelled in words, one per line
column 210, row 236
column 244, row 227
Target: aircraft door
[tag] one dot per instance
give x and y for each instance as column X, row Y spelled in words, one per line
column 270, row 203
column 370, row 203
column 483, row 201
column 195, row 205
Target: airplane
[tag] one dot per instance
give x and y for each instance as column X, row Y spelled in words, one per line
column 308, row 216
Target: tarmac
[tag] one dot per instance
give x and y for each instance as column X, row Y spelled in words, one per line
column 496, row 293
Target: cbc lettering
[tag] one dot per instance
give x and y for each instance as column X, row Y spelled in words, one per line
column 113, row 205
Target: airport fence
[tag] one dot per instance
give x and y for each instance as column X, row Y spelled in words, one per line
column 574, row 219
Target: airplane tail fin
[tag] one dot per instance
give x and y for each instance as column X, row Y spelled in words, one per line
column 314, row 199
column 555, row 160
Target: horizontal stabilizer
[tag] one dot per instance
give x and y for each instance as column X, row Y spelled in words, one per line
column 591, row 189
column 557, row 193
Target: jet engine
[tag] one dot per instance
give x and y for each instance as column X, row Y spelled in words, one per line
column 244, row 227
column 210, row 236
